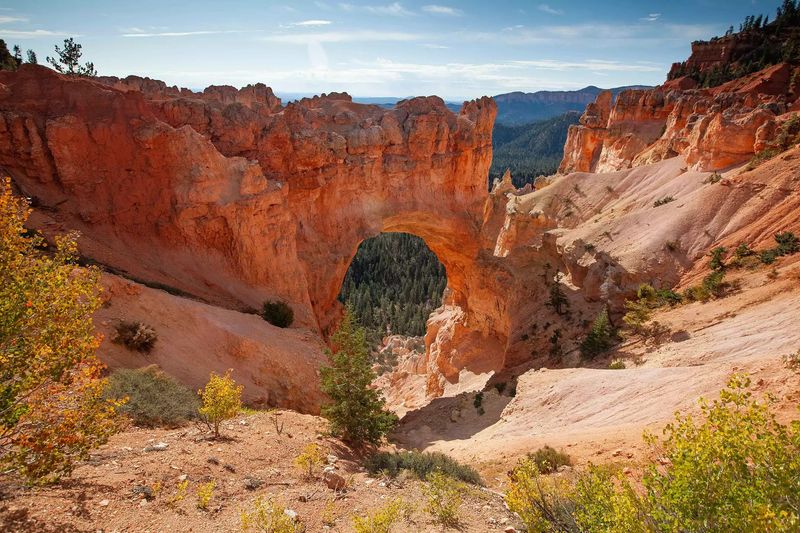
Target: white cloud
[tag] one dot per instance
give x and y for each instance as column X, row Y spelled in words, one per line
column 342, row 37
column 545, row 8
column 314, row 22
column 442, row 10
column 6, row 20
column 435, row 46
column 652, row 17
column 598, row 35
column 595, row 65
column 33, row 34
column 180, row 33
column 394, row 9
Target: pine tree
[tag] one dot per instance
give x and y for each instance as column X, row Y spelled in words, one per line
column 600, row 337
column 356, row 412
column 68, row 60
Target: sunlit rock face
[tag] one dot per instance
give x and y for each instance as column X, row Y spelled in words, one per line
column 712, row 129
column 234, row 199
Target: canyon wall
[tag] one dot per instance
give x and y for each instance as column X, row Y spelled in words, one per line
column 231, row 198
column 712, row 129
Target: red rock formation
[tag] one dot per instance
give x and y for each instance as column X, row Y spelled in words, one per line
column 234, row 199
column 711, row 128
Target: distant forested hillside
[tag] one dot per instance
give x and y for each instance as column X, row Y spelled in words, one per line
column 393, row 284
column 530, row 150
column 523, row 108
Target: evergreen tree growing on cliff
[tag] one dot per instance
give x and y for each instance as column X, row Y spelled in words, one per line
column 356, row 412
column 69, row 58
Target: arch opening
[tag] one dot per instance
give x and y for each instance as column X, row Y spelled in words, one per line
column 393, row 284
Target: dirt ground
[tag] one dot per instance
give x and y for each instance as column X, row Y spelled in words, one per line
column 102, row 494
column 599, row 415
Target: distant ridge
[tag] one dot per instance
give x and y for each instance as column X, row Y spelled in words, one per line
column 520, row 108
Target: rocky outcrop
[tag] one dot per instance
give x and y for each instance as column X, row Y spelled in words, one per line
column 231, row 198
column 712, row 129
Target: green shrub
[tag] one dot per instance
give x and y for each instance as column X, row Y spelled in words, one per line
column 760, row 157
column 715, row 283
column 768, row 256
column 636, row 315
column 616, row 364
column 715, row 177
column 477, row 402
column 600, row 337
column 154, row 398
column 663, row 201
column 278, row 313
column 733, row 468
column 136, row 336
column 696, row 293
column 792, row 361
column 444, row 498
column 787, row 242
column 743, row 250
column 548, row 459
column 717, row 258
column 667, row 297
column 421, row 464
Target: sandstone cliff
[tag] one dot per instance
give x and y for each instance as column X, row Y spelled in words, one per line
column 712, row 129
column 229, row 197
column 233, row 199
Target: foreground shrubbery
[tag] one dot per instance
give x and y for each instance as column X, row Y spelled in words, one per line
column 444, row 496
column 52, row 410
column 222, row 400
column 278, row 313
column 153, row 397
column 422, row 465
column 547, row 459
column 267, row 515
column 734, row 468
column 381, row 520
column 136, row 336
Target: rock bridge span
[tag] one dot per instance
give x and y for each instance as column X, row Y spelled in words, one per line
column 233, row 198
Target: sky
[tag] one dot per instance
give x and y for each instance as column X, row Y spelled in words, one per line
column 456, row 50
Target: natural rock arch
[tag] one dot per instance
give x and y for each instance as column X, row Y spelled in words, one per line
column 232, row 198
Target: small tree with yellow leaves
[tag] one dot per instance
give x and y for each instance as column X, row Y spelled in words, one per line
column 311, row 459
column 222, row 400
column 52, row 409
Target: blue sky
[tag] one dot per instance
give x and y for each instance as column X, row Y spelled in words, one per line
column 374, row 48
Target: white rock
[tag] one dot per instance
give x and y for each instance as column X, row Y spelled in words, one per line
column 290, row 513
column 103, row 503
